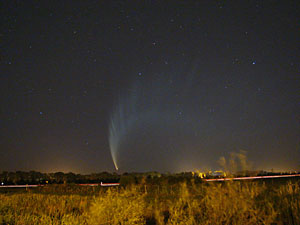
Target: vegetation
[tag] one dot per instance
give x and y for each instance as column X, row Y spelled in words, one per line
column 152, row 200
column 33, row 177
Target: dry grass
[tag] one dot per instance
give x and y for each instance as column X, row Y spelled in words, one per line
column 118, row 207
column 28, row 208
column 217, row 203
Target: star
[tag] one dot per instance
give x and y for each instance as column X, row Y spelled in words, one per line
column 236, row 61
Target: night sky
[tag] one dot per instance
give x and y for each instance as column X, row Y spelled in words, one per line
column 159, row 85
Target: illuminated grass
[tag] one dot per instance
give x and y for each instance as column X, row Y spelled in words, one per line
column 183, row 203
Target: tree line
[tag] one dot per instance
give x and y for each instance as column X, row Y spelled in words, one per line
column 34, row 177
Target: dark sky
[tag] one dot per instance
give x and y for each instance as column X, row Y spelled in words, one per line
column 169, row 85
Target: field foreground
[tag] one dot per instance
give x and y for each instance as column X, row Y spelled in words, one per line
column 183, row 203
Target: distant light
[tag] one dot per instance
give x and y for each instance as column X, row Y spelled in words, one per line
column 41, row 113
column 2, row 183
column 254, row 62
column 140, row 74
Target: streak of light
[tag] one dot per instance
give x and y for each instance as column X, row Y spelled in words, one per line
column 101, row 184
column 21, row 186
column 41, row 185
column 252, row 178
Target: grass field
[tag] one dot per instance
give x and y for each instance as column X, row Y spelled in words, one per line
column 246, row 202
